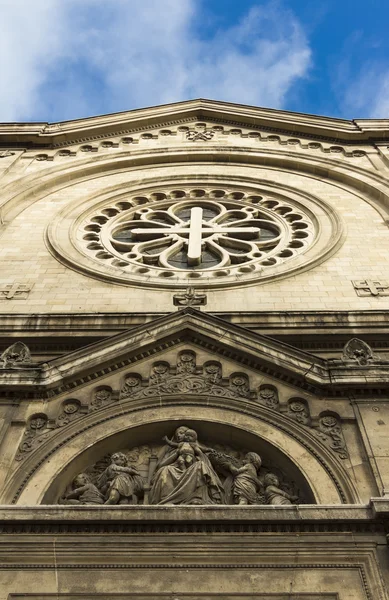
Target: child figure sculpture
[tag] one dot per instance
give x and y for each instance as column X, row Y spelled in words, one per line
column 120, row 482
column 273, row 493
column 188, row 449
column 83, row 492
column 246, row 483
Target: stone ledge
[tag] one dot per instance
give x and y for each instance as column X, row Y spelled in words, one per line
column 380, row 507
column 105, row 323
column 190, row 514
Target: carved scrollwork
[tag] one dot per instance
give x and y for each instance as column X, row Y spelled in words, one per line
column 299, row 411
column 239, row 383
column 71, row 410
column 40, row 427
column 36, row 433
column 131, row 386
column 15, row 356
column 101, row 397
column 213, row 372
column 358, row 351
column 330, row 432
column 186, row 363
column 268, row 396
column 187, row 378
column 159, row 372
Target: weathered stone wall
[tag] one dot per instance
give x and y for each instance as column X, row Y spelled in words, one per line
column 286, row 383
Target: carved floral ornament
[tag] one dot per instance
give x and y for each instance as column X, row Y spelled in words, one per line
column 186, row 377
column 189, row 235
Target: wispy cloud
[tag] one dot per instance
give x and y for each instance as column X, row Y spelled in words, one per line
column 68, row 59
column 360, row 80
column 367, row 93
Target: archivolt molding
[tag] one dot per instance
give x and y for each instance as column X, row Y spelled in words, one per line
column 189, row 378
column 370, row 185
column 77, row 440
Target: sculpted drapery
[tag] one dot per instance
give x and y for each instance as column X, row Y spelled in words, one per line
column 185, row 473
column 185, row 478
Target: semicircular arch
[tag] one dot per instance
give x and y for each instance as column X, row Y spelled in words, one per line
column 370, row 186
column 51, row 468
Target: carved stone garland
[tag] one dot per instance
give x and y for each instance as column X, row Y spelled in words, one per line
column 187, row 378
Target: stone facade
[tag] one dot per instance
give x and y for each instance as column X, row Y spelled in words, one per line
column 194, row 360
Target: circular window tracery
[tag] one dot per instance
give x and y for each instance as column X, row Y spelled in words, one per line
column 192, row 233
column 186, row 235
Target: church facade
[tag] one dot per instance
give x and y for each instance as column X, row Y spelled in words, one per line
column 194, row 369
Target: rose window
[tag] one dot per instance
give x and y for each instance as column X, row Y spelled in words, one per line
column 198, row 236
column 190, row 236
column 187, row 234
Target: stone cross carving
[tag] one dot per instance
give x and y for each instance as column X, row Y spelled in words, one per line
column 197, row 228
column 15, row 290
column 200, row 133
column 370, row 287
column 190, row 298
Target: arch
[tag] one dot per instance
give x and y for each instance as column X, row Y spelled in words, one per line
column 53, row 465
column 370, row 186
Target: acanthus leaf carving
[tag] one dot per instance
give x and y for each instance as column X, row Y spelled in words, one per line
column 299, row 411
column 187, row 378
column 358, row 351
column 268, row 396
column 330, row 432
column 101, row 397
column 15, row 356
column 37, row 431
column 40, row 427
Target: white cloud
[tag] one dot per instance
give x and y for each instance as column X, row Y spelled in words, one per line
column 31, row 38
column 68, row 59
column 368, row 94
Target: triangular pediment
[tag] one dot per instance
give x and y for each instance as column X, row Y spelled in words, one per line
column 187, row 328
column 193, row 330
column 188, row 360
column 46, row 135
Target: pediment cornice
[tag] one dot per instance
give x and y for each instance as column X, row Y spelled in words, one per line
column 189, row 326
column 297, row 124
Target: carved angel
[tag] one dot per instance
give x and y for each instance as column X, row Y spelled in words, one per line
column 274, row 494
column 83, row 492
column 119, row 482
column 242, row 484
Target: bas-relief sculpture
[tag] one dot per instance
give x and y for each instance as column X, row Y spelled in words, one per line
column 181, row 472
column 16, row 356
column 184, row 377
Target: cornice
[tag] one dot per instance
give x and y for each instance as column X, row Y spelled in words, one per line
column 133, row 520
column 185, row 515
column 262, row 353
column 185, row 325
column 49, row 134
column 301, row 322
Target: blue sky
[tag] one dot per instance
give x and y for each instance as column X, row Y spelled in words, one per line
column 68, row 59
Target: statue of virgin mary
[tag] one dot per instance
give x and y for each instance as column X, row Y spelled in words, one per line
column 180, row 479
